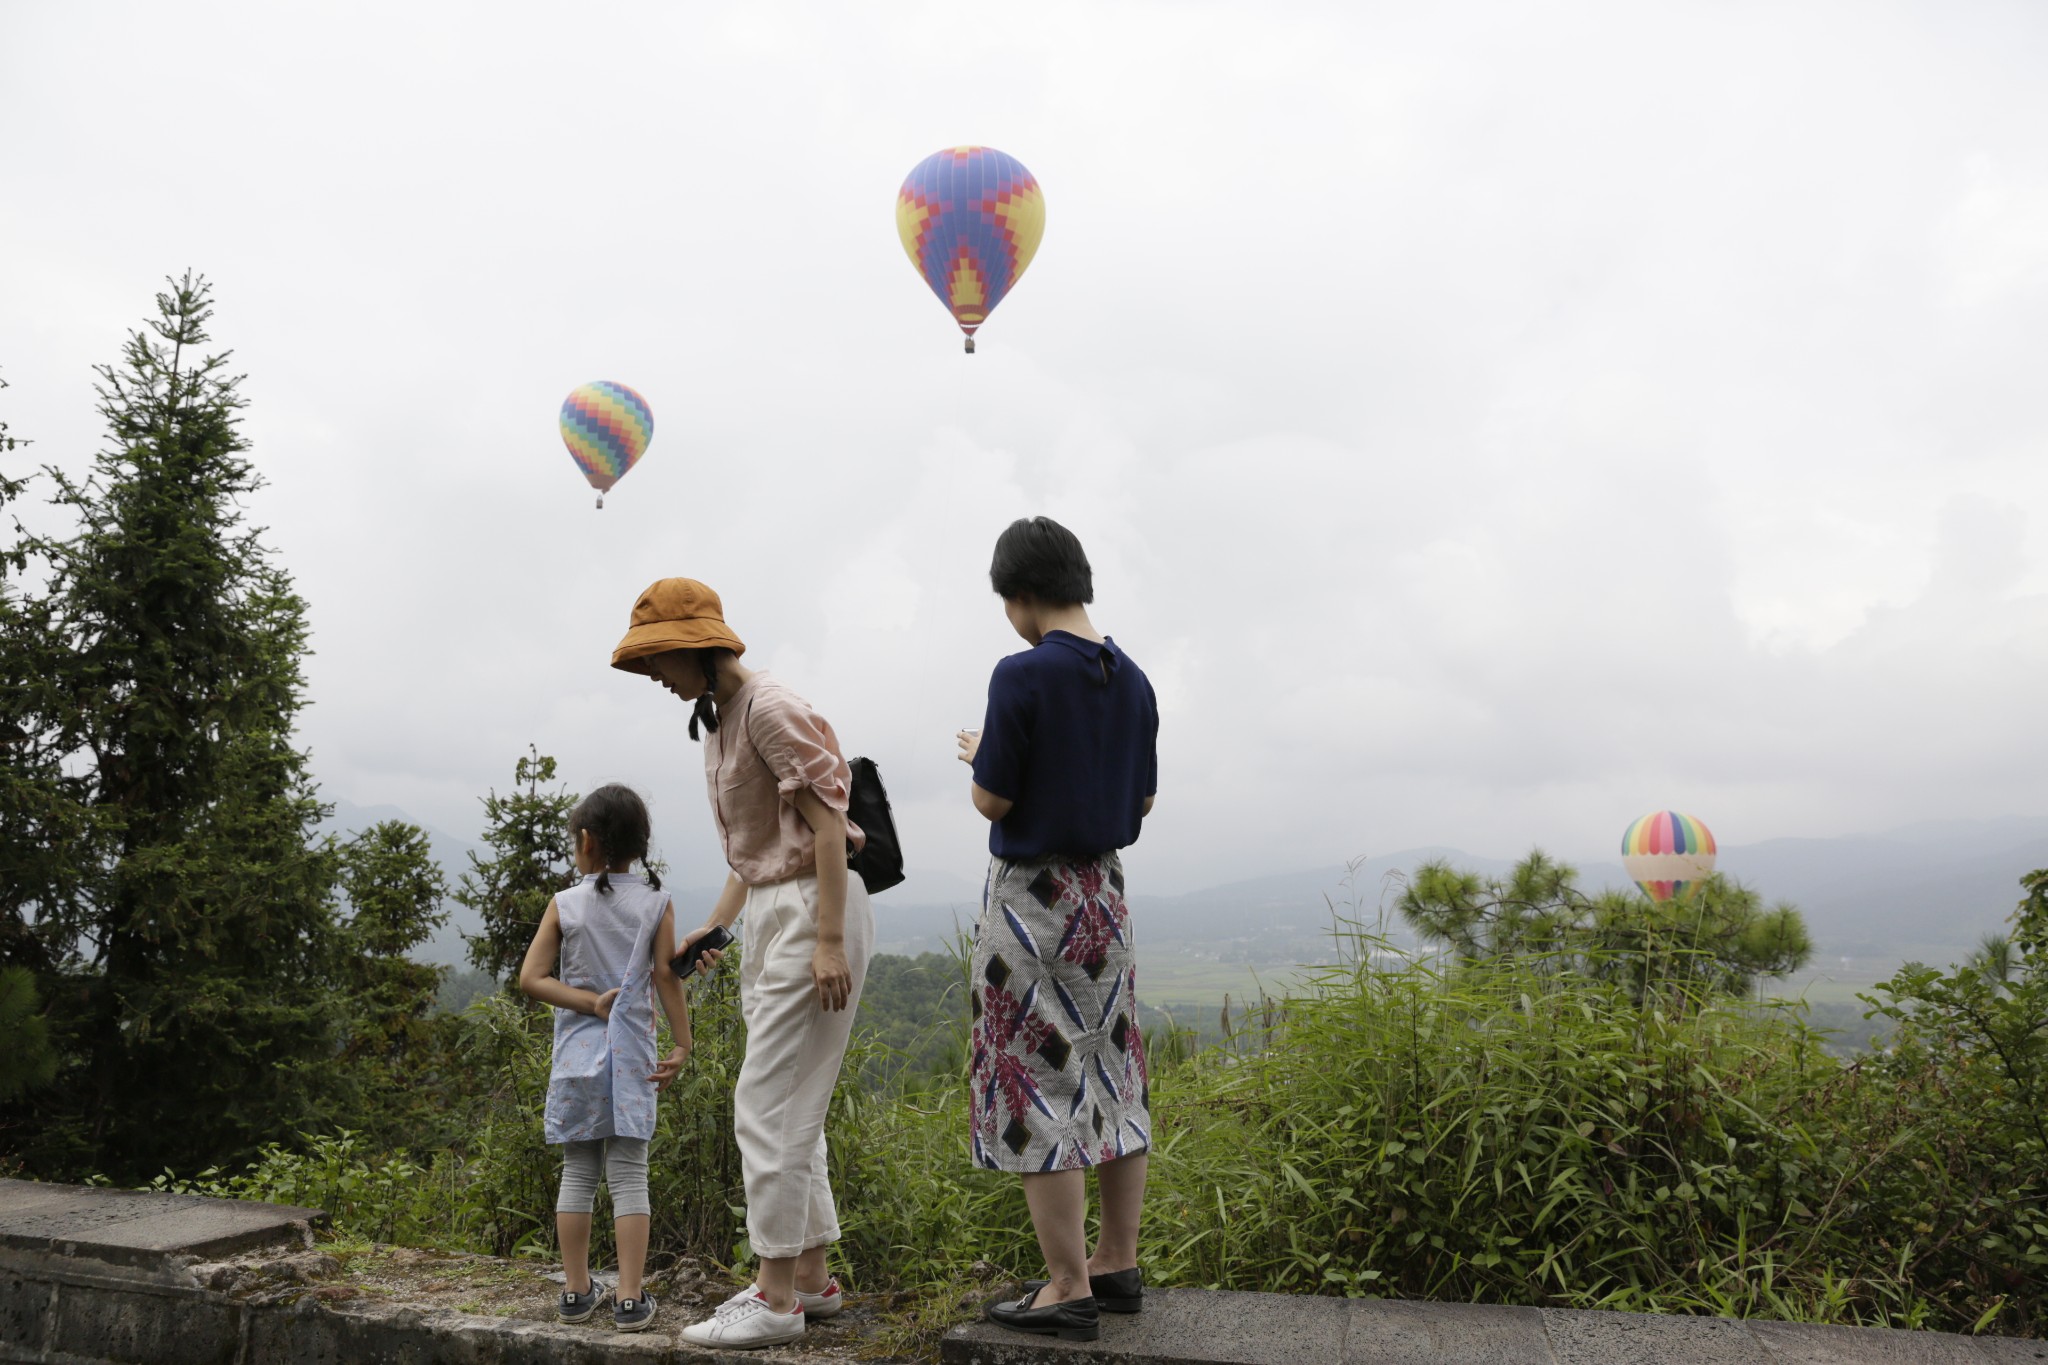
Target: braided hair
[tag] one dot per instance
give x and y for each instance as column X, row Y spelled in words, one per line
column 706, row 712
column 616, row 818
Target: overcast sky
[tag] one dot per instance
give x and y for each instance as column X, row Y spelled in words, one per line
column 1488, row 422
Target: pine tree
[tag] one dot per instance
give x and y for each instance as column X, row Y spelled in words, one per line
column 38, row 811
column 528, row 832
column 397, row 1054
column 189, row 944
column 40, row 815
column 28, row 1061
column 1720, row 940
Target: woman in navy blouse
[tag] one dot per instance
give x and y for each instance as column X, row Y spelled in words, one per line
column 1065, row 768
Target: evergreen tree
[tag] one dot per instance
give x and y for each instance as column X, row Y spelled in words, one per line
column 41, row 815
column 1719, row 940
column 528, row 832
column 28, row 1061
column 39, row 819
column 397, row 1050
column 188, row 945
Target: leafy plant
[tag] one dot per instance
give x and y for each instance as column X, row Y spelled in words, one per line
column 528, row 832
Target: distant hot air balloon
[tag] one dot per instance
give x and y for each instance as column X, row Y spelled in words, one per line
column 607, row 427
column 1668, row 854
column 970, row 218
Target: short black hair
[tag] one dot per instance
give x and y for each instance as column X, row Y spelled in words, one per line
column 617, row 818
column 1037, row 557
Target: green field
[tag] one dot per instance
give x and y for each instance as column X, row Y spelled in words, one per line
column 1168, row 978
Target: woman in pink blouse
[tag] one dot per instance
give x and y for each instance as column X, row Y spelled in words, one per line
column 779, row 788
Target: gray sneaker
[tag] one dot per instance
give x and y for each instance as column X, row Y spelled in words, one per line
column 575, row 1308
column 631, row 1315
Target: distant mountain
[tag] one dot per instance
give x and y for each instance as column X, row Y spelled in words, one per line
column 1930, row 890
column 1896, row 897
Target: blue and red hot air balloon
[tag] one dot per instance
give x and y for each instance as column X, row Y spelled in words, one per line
column 970, row 219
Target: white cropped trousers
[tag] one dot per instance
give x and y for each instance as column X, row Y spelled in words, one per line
column 794, row 1049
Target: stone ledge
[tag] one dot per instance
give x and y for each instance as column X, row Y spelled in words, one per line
column 1199, row 1327
column 141, row 1227
column 102, row 1277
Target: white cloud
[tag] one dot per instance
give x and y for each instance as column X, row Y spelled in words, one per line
column 1487, row 424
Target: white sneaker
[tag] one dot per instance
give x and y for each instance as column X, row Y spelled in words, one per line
column 746, row 1320
column 824, row 1304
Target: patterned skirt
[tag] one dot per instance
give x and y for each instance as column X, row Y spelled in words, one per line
column 1058, row 1072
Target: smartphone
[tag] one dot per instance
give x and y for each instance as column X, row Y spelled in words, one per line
column 684, row 964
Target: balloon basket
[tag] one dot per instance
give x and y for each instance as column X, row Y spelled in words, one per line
column 970, row 345
column 600, row 502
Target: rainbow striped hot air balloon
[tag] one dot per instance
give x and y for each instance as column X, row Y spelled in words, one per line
column 1668, row 854
column 970, row 219
column 607, row 427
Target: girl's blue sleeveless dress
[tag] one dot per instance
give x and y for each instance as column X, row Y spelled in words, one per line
column 599, row 1086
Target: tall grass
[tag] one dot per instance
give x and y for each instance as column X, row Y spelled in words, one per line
column 1504, row 1134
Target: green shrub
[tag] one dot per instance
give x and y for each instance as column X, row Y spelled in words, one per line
column 1505, row 1134
column 1960, row 1098
column 372, row 1196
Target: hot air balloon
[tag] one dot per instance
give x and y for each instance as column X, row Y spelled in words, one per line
column 607, row 427
column 1668, row 854
column 970, row 218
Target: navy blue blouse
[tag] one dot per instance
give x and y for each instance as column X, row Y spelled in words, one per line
column 1072, row 737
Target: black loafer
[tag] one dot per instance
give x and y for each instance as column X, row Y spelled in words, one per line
column 1074, row 1320
column 1120, row 1291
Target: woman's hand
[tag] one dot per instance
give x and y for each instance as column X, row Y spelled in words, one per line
column 670, row 1066
column 706, row 960
column 833, row 976
column 970, row 745
column 602, row 1006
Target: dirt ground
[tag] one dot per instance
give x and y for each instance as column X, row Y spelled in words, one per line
column 897, row 1326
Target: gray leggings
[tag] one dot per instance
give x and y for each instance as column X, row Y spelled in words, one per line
column 625, row 1173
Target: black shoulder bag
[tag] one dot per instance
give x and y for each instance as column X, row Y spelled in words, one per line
column 880, row 861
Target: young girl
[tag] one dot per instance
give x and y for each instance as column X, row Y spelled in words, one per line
column 614, row 933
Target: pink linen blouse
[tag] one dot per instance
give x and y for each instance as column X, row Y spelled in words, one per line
column 770, row 745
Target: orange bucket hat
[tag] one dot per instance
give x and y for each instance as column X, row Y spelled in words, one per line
column 674, row 613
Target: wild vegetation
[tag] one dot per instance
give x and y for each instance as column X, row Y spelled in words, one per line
column 1420, row 1130
column 1576, row 1103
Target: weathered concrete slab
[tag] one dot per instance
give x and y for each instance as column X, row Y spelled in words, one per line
column 1395, row 1332
column 1178, row 1325
column 1591, row 1338
column 1193, row 1327
column 1798, row 1343
column 92, row 1276
column 140, row 1226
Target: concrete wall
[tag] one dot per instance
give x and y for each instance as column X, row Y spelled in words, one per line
column 62, row 1309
